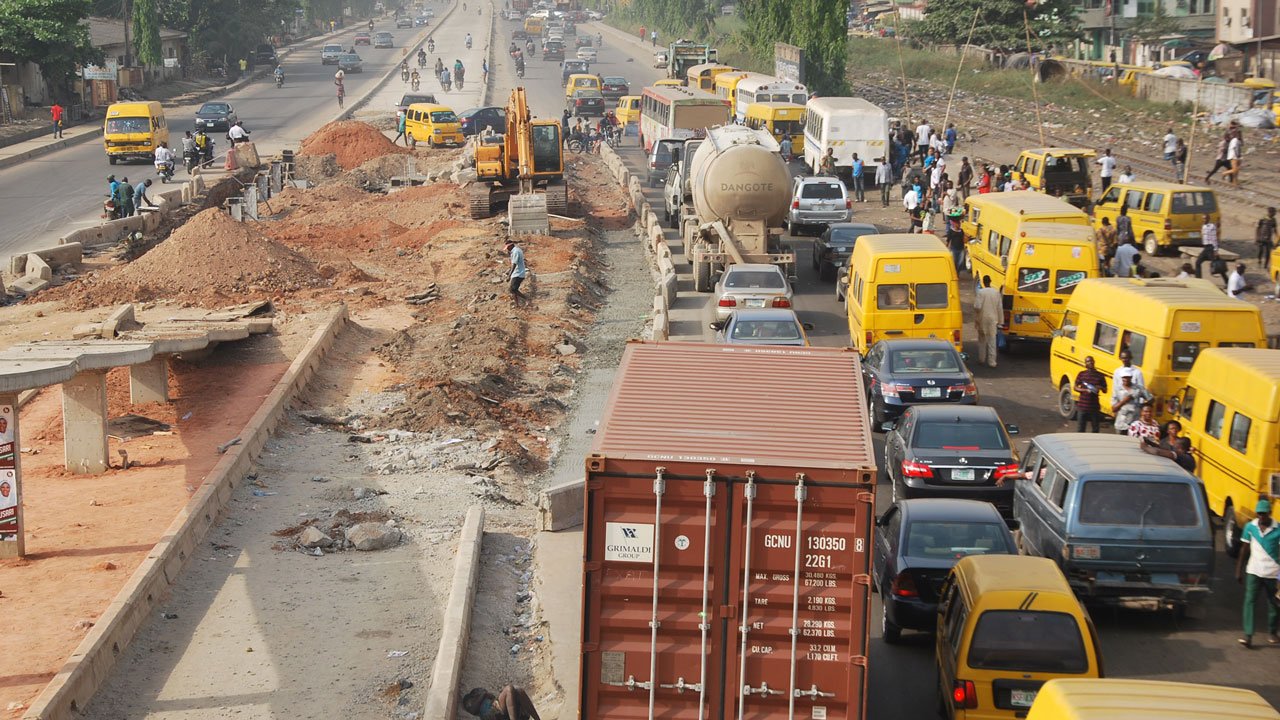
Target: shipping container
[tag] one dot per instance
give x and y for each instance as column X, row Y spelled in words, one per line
column 729, row 510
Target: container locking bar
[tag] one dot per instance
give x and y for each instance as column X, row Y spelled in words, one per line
column 813, row 693
column 680, row 686
column 709, row 492
column 659, row 488
column 748, row 492
column 764, row 689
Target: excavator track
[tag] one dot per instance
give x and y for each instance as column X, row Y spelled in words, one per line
column 480, row 197
column 557, row 198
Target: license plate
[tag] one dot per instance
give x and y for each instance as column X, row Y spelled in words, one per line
column 1022, row 698
column 931, row 392
column 962, row 474
column 755, row 302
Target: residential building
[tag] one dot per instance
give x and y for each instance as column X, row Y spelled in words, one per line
column 1108, row 26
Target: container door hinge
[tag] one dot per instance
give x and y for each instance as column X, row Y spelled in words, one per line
column 866, row 497
column 728, row 612
column 859, row 660
column 862, row 579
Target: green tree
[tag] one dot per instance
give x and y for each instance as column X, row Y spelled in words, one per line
column 1000, row 23
column 146, row 32
column 820, row 29
column 47, row 32
column 1152, row 28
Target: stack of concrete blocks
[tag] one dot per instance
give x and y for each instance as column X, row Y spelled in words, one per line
column 34, row 270
column 650, row 228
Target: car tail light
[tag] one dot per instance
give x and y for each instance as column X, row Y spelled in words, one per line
column 955, row 336
column 728, row 302
column 781, row 302
column 904, row 586
column 892, row 389
column 1008, row 318
column 1003, row 472
column 578, row 103
column 848, row 204
column 964, row 694
column 968, row 389
column 913, row 469
column 795, row 204
column 870, row 340
column 1168, row 224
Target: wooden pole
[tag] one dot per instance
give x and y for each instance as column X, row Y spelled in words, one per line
column 1035, row 92
column 1195, row 110
column 963, row 49
column 902, row 70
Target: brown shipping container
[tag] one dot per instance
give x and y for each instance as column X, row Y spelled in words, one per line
column 727, row 544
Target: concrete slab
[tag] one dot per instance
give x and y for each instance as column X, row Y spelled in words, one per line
column 31, row 373
column 29, row 285
column 88, row 354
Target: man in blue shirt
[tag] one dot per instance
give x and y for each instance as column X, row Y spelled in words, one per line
column 950, row 136
column 518, row 272
column 140, row 196
column 859, row 186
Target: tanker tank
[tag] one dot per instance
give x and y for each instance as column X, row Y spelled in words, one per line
column 741, row 190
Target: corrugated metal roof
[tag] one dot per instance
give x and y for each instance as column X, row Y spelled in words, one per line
column 800, row 407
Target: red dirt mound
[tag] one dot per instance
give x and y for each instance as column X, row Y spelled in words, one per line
column 351, row 143
column 208, row 261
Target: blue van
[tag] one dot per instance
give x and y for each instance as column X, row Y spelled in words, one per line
column 1126, row 527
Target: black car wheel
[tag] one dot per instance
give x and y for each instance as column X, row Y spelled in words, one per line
column 1066, row 403
column 1230, row 531
column 878, row 418
column 890, row 632
column 826, row 271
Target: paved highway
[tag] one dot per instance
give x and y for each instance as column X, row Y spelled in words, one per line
column 1134, row 644
column 47, row 197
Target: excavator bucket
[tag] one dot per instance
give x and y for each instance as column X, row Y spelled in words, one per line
column 527, row 214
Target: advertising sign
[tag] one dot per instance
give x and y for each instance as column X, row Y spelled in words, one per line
column 8, row 475
column 94, row 72
column 788, row 62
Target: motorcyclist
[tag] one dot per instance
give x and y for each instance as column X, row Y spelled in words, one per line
column 189, row 153
column 279, row 73
column 468, row 41
column 404, row 71
column 431, row 44
column 204, row 144
column 164, row 159
column 422, row 57
column 512, row 50
column 414, row 80
column 370, row 24
column 519, row 66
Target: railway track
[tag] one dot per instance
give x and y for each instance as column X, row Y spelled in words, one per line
column 1263, row 183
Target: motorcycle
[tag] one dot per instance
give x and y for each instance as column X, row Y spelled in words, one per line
column 280, row 81
column 415, row 83
column 422, row 61
column 431, row 46
column 165, row 171
column 191, row 159
column 404, row 73
column 520, row 70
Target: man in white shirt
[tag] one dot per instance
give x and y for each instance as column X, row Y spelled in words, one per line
column 1127, row 176
column 911, row 201
column 923, row 132
column 237, row 134
column 1128, row 368
column 1236, row 283
column 1108, row 165
column 1258, row 567
column 884, row 180
column 988, row 308
column 1233, row 158
column 1170, row 145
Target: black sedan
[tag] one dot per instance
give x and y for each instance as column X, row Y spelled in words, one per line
column 614, row 87
column 215, row 116
column 586, row 102
column 917, row 542
column 948, row 451
column 831, row 249
column 901, row 373
column 476, row 120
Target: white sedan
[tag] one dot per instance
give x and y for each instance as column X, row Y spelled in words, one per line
column 588, row 53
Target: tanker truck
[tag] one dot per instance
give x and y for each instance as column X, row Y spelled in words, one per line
column 741, row 190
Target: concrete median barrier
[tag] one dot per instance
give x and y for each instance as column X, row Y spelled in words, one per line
column 55, row 257
column 669, row 286
column 661, row 327
column 561, row 507
column 446, row 675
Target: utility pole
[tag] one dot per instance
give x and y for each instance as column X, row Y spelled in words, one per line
column 125, row 11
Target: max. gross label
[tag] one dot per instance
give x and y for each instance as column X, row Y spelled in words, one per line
column 628, row 542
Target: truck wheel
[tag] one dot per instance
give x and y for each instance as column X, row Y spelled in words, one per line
column 1230, row 531
column 890, row 632
column 702, row 276
column 1150, row 244
column 1066, row 402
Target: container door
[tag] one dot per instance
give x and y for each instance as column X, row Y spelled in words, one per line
column 655, row 557
column 801, row 556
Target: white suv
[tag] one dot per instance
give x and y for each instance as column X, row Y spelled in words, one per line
column 818, row 202
column 330, row 53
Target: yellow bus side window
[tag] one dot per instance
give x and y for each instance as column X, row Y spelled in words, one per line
column 1239, row 439
column 1105, row 337
column 1214, row 419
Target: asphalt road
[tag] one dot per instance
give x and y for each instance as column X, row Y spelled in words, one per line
column 1135, row 644
column 48, row 197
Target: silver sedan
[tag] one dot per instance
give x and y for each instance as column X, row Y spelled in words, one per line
column 751, row 286
column 771, row 326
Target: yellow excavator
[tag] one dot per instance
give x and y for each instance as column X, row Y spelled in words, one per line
column 523, row 169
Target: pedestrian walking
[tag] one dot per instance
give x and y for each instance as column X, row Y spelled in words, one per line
column 911, row 202
column 1124, row 227
column 924, row 132
column 1221, row 163
column 1265, row 237
column 1234, row 148
column 653, row 36
column 1180, row 161
column 950, row 136
column 964, row 178
column 1257, row 567
column 955, row 242
column 1108, row 165
column 401, row 118
column 984, row 182
column 1125, row 262
column 988, row 308
column 1089, row 385
column 884, row 180
column 859, row 187
column 518, row 272
column 1170, row 144
column 1105, row 240
column 56, row 112
column 1208, row 244
column 511, row 703
column 784, row 148
column 643, row 34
